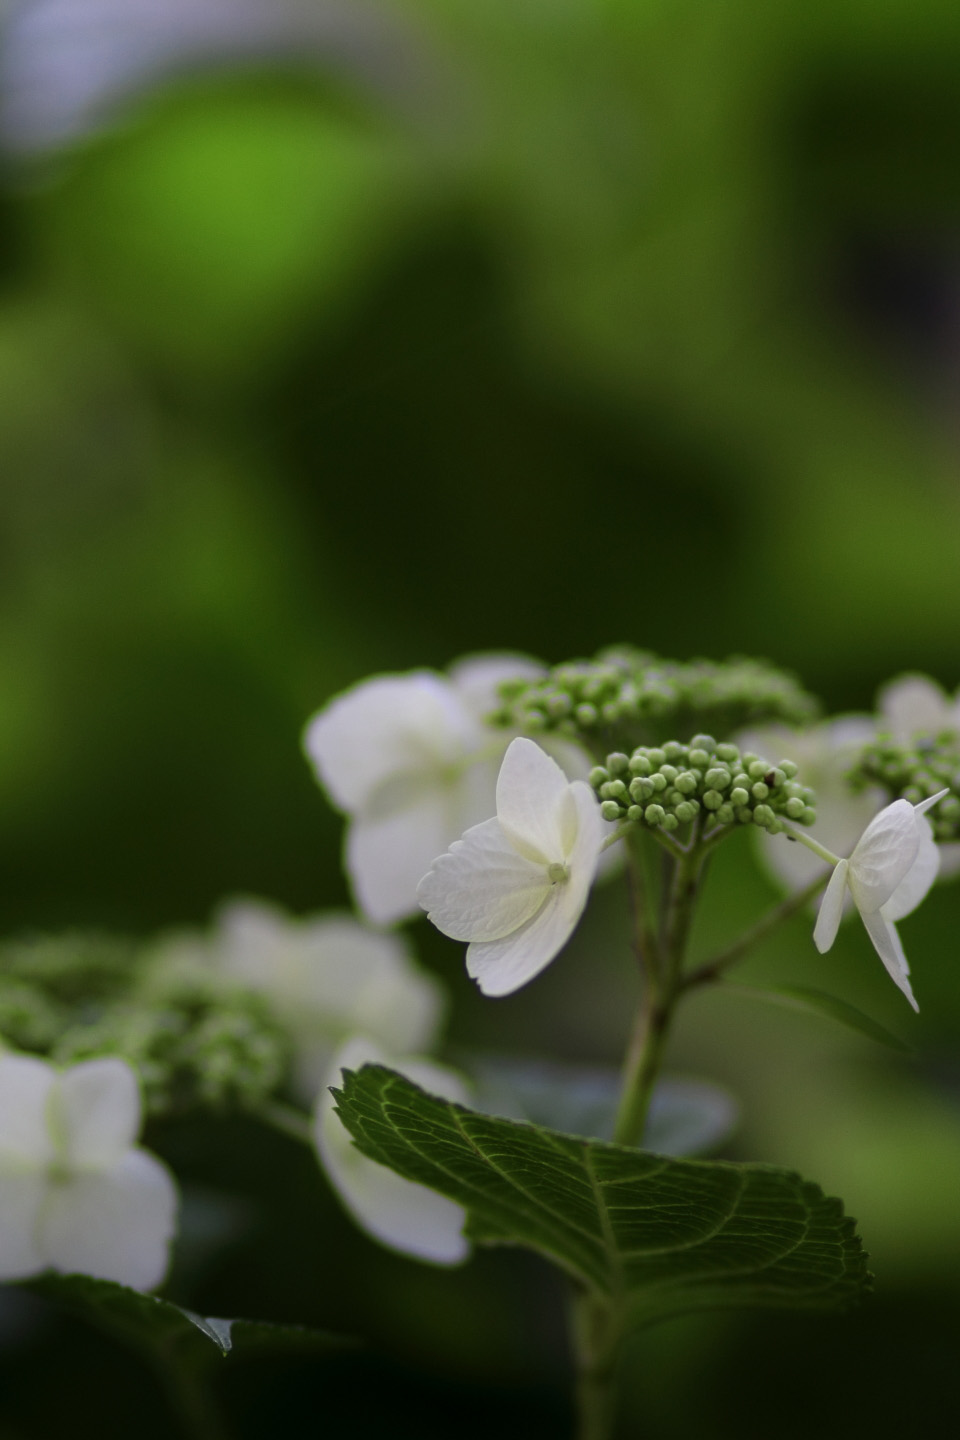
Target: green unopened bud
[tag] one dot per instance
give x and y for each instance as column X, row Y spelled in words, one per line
column 654, row 814
column 659, row 782
column 717, row 778
column 586, row 715
column 809, row 816
column 640, row 765
column 795, row 808
column 789, row 768
column 685, row 812
column 703, row 742
column 725, row 814
column 759, row 791
column 779, row 778
column 673, row 750
column 729, row 753
column 713, row 799
column 613, row 790
column 686, row 783
column 558, row 705
column 599, row 776
column 635, row 812
column 656, row 756
column 744, row 814
column 669, row 773
column 757, row 769
column 670, row 822
column 699, row 757
column 617, row 763
column 763, row 815
column 610, row 810
column 739, row 796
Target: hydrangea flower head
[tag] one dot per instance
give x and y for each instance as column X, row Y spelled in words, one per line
column 515, row 886
column 76, row 1193
column 890, row 871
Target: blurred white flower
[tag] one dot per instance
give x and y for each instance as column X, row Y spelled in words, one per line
column 914, row 705
column 824, row 754
column 397, row 1212
column 516, row 885
column 325, row 976
column 409, row 760
column 892, row 867
column 76, row 1193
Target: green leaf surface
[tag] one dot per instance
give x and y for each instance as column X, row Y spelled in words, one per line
column 654, row 1235
column 168, row 1332
column 819, row 1002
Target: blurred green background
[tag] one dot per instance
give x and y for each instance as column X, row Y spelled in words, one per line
column 443, row 326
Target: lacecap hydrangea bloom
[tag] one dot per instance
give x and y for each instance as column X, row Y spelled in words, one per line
column 890, row 871
column 400, row 1214
column 76, row 1192
column 326, row 977
column 516, row 885
column 410, row 761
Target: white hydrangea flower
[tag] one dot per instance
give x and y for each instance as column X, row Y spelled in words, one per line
column 915, row 705
column 76, row 1193
column 890, row 871
column 326, row 976
column 409, row 760
column 515, row 886
column 403, row 1215
column 824, row 754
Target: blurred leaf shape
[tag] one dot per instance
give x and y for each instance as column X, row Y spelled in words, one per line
column 818, row 1002
column 658, row 1236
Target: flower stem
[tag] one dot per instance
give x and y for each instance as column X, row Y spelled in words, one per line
column 597, row 1331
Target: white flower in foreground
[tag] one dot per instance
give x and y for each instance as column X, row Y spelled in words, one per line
column 409, row 760
column 890, row 871
column 76, row 1193
column 516, row 885
column 326, row 977
column 397, row 1212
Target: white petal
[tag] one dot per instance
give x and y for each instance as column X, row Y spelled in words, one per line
column 884, row 853
column 116, row 1223
column 21, row 1198
column 387, row 855
column 886, row 942
column 26, row 1085
column 915, row 705
column 476, row 678
column 502, row 966
column 831, row 908
column 95, row 1112
column 397, row 1212
column 533, row 803
column 916, row 883
column 482, row 889
column 390, row 725
column 932, row 800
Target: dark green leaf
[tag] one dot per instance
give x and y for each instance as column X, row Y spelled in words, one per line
column 166, row 1330
column 660, row 1236
column 818, row 1002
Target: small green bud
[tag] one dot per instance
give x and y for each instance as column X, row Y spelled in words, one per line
column 718, row 778
column 809, row 816
column 789, row 768
column 699, row 757
column 610, row 712
column 795, row 808
column 685, row 812
column 617, row 763
column 728, row 753
column 673, row 750
column 656, row 756
column 654, row 814
column 673, row 797
column 558, row 706
column 635, row 812
column 599, row 776
column 703, row 742
column 763, row 815
column 686, row 783
column 713, row 799
column 613, row 790
column 640, row 765
column 586, row 715
column 757, row 769
column 670, row 822
column 744, row 814
column 779, row 778
column 610, row 810
column 659, row 782
column 759, row 791
column 739, row 796
column 669, row 773
column 742, row 780
column 725, row 814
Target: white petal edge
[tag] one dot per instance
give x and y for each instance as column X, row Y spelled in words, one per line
column 116, row 1224
column 914, row 705
column 26, row 1085
column 398, row 1213
column 477, row 677
column 884, row 853
column 95, row 1112
column 533, row 802
column 388, row 855
column 482, row 888
column 831, row 908
column 887, row 944
column 916, row 884
column 21, row 1201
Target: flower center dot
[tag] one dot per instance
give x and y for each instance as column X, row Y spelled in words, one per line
column 557, row 873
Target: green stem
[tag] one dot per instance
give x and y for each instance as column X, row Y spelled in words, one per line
column 712, row 969
column 285, row 1119
column 597, row 1331
column 812, row 844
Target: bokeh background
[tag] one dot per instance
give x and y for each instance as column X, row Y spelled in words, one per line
column 343, row 336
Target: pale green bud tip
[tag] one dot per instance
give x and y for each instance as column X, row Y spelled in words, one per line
column 610, row 810
column 599, row 776
column 557, row 873
column 654, row 815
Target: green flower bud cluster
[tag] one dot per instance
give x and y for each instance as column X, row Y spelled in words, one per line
column 914, row 772
column 628, row 697
column 195, row 1045
column 668, row 786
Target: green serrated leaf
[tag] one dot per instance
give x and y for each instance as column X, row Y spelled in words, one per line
column 819, row 1002
column 658, row 1236
column 168, row 1331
